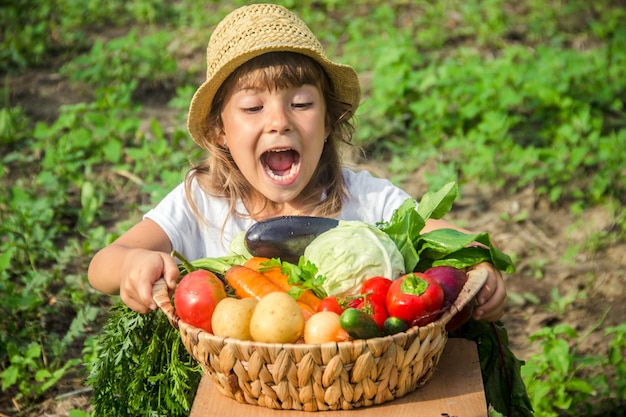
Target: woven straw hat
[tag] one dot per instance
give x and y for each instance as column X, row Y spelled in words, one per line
column 254, row 30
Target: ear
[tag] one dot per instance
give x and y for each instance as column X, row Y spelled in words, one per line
column 327, row 133
column 221, row 140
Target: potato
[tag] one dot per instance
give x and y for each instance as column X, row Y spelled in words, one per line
column 231, row 317
column 277, row 319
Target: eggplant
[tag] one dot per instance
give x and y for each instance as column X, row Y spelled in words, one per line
column 285, row 237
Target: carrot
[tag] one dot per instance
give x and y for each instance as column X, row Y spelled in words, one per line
column 249, row 283
column 307, row 310
column 257, row 263
column 282, row 280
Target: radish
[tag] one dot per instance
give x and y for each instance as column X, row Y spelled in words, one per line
column 452, row 280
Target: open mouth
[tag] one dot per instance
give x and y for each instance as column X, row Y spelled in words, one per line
column 281, row 164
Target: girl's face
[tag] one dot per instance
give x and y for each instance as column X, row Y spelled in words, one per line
column 276, row 137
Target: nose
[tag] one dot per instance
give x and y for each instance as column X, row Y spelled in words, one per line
column 278, row 119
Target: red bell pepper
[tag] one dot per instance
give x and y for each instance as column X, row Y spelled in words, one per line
column 376, row 289
column 415, row 298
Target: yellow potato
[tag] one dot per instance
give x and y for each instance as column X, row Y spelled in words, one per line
column 231, row 317
column 277, row 318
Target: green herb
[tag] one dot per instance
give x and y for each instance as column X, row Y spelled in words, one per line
column 303, row 276
column 142, row 367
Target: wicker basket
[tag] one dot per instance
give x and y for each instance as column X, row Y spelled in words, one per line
column 320, row 377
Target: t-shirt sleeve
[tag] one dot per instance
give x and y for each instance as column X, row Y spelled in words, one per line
column 193, row 237
column 177, row 219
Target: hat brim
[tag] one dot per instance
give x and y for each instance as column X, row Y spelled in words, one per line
column 344, row 79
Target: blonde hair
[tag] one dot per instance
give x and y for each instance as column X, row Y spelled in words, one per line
column 219, row 176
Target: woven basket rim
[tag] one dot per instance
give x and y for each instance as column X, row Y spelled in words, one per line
column 476, row 280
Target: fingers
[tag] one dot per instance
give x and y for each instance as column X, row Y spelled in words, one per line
column 170, row 271
column 136, row 292
column 134, row 305
column 137, row 283
column 493, row 309
column 492, row 297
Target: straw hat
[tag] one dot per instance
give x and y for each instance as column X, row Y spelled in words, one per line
column 254, row 30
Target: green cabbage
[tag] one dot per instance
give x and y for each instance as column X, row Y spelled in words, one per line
column 352, row 252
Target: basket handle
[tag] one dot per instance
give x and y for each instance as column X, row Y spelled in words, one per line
column 476, row 278
column 161, row 296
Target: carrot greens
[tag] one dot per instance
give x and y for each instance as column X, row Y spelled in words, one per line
column 142, row 367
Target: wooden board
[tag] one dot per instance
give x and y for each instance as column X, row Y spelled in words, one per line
column 456, row 389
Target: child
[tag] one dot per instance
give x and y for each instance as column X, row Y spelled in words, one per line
column 271, row 115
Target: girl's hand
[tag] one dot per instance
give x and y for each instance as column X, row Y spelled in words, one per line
column 139, row 273
column 492, row 297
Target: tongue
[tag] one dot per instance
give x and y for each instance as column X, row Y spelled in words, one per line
column 280, row 161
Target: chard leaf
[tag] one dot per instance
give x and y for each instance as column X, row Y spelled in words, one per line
column 501, row 369
column 441, row 246
column 404, row 229
column 450, row 247
column 437, row 204
column 504, row 386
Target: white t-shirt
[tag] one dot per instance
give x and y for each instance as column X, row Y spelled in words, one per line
column 370, row 200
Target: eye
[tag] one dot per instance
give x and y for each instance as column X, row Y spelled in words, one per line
column 302, row 105
column 252, row 109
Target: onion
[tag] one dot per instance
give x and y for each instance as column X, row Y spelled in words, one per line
column 324, row 327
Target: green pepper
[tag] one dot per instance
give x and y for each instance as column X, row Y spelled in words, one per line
column 359, row 324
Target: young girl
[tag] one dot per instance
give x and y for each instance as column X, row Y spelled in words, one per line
column 271, row 115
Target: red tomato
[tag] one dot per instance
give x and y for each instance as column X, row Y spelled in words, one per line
column 376, row 310
column 415, row 298
column 376, row 288
column 339, row 304
column 196, row 296
column 330, row 304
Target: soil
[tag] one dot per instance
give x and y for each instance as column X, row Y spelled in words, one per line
column 539, row 237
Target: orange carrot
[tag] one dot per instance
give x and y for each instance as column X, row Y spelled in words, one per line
column 249, row 283
column 307, row 310
column 275, row 275
column 257, row 263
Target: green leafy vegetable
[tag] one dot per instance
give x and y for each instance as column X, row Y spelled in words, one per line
column 504, row 387
column 352, row 252
column 451, row 247
column 303, row 276
column 436, row 204
column 142, row 368
column 404, row 229
column 442, row 246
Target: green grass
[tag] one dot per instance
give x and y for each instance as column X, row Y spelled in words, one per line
column 500, row 93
